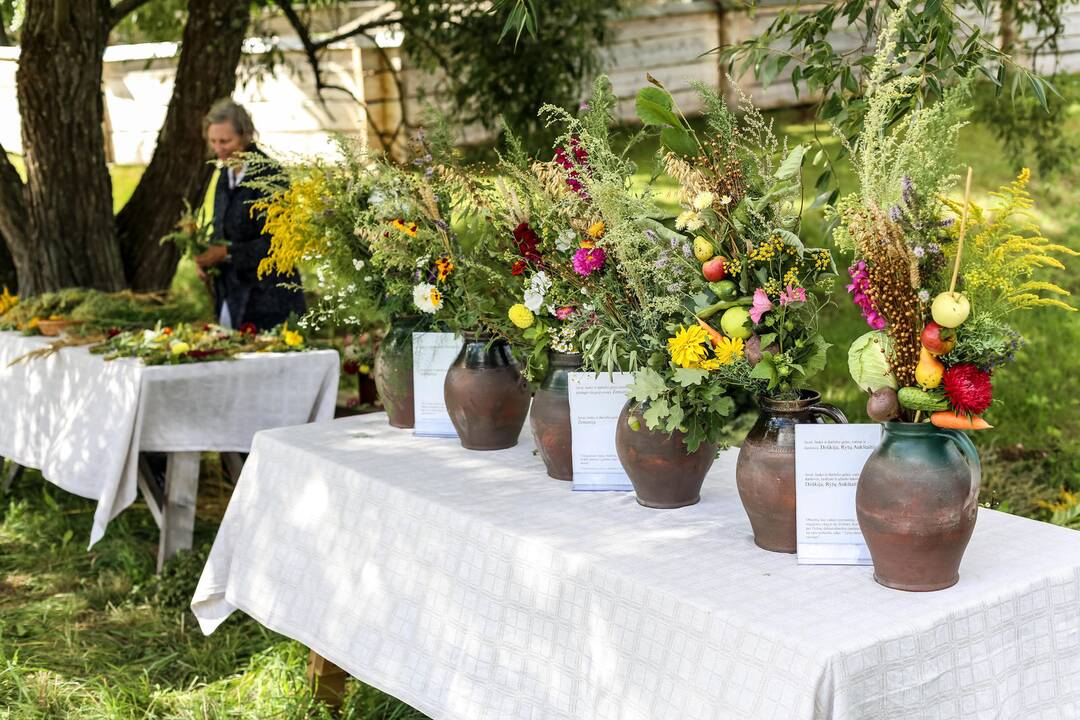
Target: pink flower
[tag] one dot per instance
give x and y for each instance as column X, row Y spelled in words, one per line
column 859, row 287
column 564, row 312
column 761, row 305
column 589, row 260
column 790, row 295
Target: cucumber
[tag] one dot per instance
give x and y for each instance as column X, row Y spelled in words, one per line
column 915, row 399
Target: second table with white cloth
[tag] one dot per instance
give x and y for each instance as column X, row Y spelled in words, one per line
column 472, row 586
column 82, row 421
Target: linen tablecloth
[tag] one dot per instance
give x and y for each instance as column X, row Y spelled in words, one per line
column 82, row 421
column 470, row 585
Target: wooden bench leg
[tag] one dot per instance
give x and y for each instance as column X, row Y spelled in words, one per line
column 9, row 475
column 178, row 510
column 327, row 680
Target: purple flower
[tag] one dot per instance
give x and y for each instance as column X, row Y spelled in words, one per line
column 761, row 305
column 564, row 312
column 589, row 260
column 584, row 105
column 907, row 190
column 918, row 251
column 895, row 213
column 790, row 295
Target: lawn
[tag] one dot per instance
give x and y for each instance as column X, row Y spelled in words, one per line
column 95, row 635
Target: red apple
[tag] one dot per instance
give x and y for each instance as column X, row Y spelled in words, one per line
column 714, row 270
column 934, row 343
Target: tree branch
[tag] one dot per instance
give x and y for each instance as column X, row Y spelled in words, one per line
column 122, row 9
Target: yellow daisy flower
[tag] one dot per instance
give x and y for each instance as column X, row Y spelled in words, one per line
column 729, row 350
column 687, row 347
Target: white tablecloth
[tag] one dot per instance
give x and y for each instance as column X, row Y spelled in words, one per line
column 82, row 421
column 471, row 586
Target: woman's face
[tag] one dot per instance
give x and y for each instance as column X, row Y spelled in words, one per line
column 224, row 140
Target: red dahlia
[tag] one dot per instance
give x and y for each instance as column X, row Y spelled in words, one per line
column 518, row 268
column 968, row 389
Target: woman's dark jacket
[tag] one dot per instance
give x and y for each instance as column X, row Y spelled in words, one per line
column 261, row 302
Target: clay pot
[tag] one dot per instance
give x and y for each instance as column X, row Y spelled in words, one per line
column 917, row 501
column 663, row 473
column 550, row 415
column 486, row 396
column 393, row 372
column 765, row 471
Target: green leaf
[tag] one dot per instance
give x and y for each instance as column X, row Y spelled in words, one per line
column 792, row 163
column 648, row 385
column 679, row 141
column 765, row 370
column 653, row 107
column 689, row 376
column 767, row 340
column 655, row 413
column 815, row 362
column 676, row 415
column 791, row 240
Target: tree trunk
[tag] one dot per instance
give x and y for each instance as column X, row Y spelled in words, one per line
column 179, row 169
column 71, row 236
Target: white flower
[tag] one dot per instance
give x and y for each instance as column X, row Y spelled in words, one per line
column 695, row 223
column 703, row 200
column 351, row 352
column 725, row 200
column 534, row 300
column 924, row 296
column 427, row 298
column 358, row 263
column 540, row 283
column 422, row 261
column 566, row 239
column 684, row 218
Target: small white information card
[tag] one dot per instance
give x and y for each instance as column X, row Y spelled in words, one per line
column 433, row 353
column 595, row 404
column 828, row 461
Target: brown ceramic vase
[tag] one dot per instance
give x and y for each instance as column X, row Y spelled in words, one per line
column 663, row 473
column 486, row 396
column 765, row 471
column 917, row 502
column 393, row 372
column 549, row 416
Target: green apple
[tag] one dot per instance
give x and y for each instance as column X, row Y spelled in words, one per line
column 950, row 309
column 736, row 323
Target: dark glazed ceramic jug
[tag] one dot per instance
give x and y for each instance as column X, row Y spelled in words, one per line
column 917, row 501
column 765, row 471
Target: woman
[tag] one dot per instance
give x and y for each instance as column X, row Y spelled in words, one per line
column 241, row 297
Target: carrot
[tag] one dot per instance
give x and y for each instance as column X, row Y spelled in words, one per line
column 714, row 336
column 949, row 419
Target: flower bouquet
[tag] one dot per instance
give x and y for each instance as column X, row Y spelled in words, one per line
column 752, row 293
column 186, row 343
column 937, row 281
column 556, row 256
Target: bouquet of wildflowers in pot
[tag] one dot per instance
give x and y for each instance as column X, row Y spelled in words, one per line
column 938, row 281
column 556, row 254
column 635, row 313
column 754, row 310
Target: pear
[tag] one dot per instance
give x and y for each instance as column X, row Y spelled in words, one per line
column 950, row 309
column 703, row 249
column 929, row 371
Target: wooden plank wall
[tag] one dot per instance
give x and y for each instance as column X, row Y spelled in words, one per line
column 671, row 40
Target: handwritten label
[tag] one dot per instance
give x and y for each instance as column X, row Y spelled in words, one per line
column 828, row 461
column 433, row 353
column 595, row 404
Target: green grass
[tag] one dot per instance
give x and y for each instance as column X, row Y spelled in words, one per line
column 94, row 635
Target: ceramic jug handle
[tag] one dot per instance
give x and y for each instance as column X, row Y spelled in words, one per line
column 830, row 411
column 968, row 449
